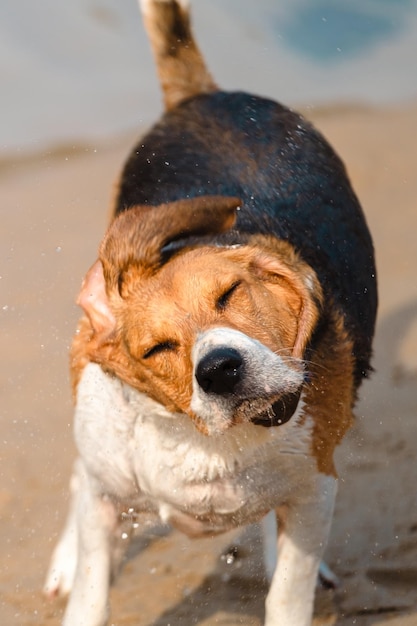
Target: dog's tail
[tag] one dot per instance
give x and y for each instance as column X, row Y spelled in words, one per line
column 181, row 68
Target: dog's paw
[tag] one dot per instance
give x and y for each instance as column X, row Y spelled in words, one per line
column 61, row 573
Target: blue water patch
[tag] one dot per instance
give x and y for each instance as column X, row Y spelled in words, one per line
column 332, row 30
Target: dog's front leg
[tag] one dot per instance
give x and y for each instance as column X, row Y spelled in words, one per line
column 96, row 521
column 303, row 533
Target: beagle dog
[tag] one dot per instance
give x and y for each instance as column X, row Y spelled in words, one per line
column 227, row 326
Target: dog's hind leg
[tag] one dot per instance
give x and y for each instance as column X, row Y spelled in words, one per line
column 180, row 65
column 61, row 572
column 96, row 520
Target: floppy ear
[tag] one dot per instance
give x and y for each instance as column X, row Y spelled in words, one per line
column 145, row 236
column 138, row 236
column 94, row 301
column 294, row 280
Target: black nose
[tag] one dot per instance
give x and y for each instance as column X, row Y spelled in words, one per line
column 219, row 371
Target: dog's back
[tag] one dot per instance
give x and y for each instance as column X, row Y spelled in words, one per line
column 290, row 181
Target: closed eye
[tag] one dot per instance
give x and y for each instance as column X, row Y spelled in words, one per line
column 223, row 300
column 165, row 346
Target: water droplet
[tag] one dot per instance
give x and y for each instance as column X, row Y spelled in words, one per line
column 231, row 555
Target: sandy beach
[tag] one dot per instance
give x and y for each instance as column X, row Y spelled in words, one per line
column 54, row 205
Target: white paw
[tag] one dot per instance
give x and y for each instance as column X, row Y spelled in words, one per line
column 61, row 573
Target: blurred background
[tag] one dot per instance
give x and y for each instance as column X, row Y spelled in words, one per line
column 79, row 71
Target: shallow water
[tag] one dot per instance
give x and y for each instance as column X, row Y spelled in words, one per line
column 332, row 32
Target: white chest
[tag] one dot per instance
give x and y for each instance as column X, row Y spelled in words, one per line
column 135, row 448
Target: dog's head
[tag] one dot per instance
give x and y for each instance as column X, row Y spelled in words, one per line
column 216, row 332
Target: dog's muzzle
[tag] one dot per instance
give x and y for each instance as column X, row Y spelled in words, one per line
column 239, row 379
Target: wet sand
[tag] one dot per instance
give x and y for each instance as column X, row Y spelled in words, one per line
column 54, row 210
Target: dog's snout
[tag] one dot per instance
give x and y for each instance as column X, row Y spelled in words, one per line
column 220, row 370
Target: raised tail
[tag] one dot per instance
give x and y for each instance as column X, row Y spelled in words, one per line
column 180, row 65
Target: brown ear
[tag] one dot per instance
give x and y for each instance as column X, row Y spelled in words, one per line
column 140, row 235
column 289, row 275
column 95, row 303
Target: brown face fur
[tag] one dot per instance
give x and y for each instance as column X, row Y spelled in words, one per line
column 144, row 319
